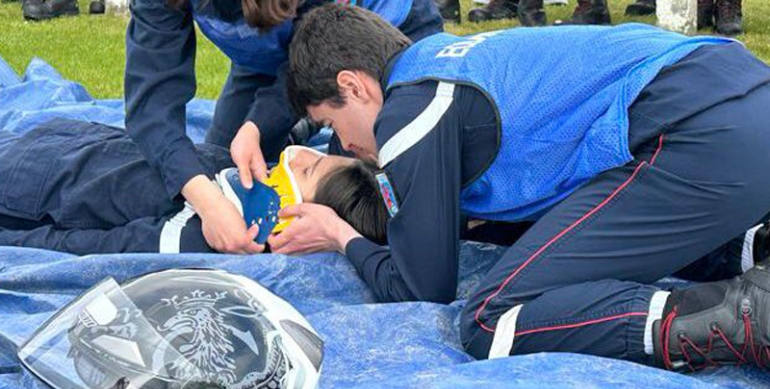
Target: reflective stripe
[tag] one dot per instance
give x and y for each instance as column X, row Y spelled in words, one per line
column 227, row 189
column 657, row 303
column 171, row 234
column 504, row 334
column 747, row 255
column 420, row 126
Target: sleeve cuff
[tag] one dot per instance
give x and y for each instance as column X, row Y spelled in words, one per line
column 253, row 116
column 359, row 249
column 179, row 167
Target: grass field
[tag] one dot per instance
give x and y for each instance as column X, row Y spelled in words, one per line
column 90, row 49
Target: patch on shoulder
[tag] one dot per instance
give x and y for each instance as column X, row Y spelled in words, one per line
column 388, row 194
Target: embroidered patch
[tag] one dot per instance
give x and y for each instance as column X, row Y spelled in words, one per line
column 388, row 195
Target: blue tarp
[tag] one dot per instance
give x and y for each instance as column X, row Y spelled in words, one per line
column 405, row 345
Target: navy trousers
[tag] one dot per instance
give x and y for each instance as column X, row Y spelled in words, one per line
column 85, row 188
column 582, row 273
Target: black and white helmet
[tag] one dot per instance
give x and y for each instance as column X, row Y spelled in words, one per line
column 181, row 329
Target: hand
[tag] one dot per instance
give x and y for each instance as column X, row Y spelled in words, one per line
column 223, row 226
column 247, row 155
column 315, row 228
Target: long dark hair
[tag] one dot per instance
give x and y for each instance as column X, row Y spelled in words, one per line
column 262, row 14
column 353, row 193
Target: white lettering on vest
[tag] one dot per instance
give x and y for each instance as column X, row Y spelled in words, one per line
column 459, row 49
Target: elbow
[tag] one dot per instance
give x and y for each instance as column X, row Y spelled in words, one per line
column 399, row 286
column 441, row 294
column 444, row 295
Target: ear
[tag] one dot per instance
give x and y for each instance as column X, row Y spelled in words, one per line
column 353, row 85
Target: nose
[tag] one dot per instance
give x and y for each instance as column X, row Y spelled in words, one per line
column 302, row 159
column 355, row 150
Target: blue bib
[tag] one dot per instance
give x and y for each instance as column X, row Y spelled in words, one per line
column 562, row 95
column 264, row 52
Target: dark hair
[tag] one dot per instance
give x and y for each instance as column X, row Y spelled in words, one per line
column 353, row 193
column 262, row 14
column 266, row 14
column 333, row 38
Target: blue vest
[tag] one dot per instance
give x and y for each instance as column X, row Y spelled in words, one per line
column 562, row 95
column 264, row 52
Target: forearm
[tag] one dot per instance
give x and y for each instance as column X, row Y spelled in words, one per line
column 159, row 81
column 202, row 194
column 141, row 235
column 373, row 263
column 271, row 112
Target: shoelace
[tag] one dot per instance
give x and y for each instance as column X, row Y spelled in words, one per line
column 716, row 333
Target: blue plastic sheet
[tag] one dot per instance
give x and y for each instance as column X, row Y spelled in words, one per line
column 406, row 345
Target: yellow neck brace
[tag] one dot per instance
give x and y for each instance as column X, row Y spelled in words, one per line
column 283, row 181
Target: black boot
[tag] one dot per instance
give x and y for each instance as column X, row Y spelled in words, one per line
column 641, row 7
column 729, row 17
column 48, row 9
column 589, row 12
column 718, row 323
column 705, row 13
column 495, row 10
column 96, row 7
column 450, row 10
column 531, row 13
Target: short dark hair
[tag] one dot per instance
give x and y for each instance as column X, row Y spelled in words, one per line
column 353, row 193
column 333, row 38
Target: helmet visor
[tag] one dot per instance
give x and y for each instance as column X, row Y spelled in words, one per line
column 101, row 340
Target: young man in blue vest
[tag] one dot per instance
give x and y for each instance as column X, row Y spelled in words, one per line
column 637, row 152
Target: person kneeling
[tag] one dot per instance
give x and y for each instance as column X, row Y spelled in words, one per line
column 639, row 153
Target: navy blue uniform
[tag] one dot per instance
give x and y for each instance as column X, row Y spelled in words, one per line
column 580, row 275
column 85, row 188
column 160, row 78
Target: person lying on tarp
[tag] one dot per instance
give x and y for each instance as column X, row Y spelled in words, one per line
column 252, row 117
column 638, row 153
column 85, row 188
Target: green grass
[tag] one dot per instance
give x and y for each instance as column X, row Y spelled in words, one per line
column 90, row 49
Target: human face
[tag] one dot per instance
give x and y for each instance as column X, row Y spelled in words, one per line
column 354, row 127
column 309, row 168
column 353, row 122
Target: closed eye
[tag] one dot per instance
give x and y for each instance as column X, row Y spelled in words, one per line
column 315, row 165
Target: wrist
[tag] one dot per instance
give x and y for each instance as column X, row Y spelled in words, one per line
column 344, row 234
column 202, row 194
column 251, row 127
